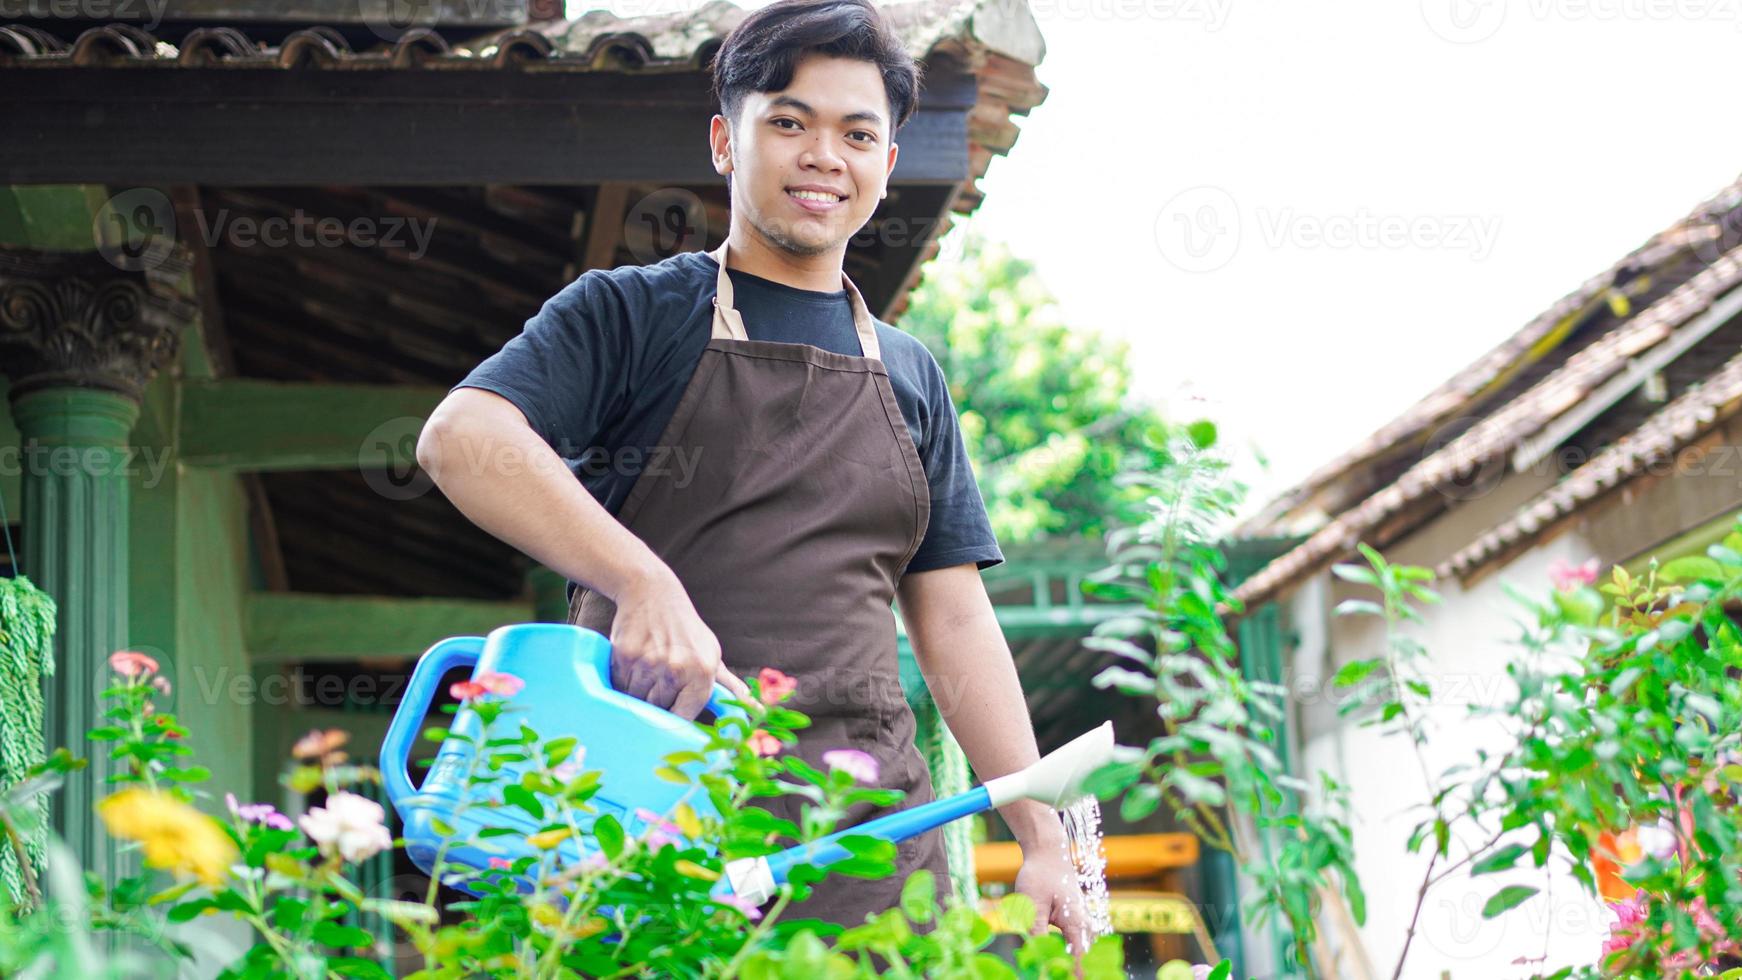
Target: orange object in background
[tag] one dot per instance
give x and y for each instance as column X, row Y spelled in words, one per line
column 1625, row 847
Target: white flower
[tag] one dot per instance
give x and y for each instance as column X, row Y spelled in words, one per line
column 350, row 824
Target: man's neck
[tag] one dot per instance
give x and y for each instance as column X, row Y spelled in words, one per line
column 818, row 273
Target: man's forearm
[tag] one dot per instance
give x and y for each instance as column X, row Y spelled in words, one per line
column 503, row 477
column 967, row 665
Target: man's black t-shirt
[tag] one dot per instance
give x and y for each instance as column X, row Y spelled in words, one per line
column 600, row 368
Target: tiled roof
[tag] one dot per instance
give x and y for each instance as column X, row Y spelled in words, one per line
column 1337, row 484
column 997, row 41
column 1700, row 255
column 1678, row 424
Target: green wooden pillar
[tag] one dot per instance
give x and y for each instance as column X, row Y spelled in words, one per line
column 950, row 775
column 79, row 338
column 75, row 548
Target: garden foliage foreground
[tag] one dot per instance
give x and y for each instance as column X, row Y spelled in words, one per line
column 1621, row 767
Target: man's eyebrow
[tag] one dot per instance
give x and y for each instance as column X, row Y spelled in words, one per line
column 863, row 115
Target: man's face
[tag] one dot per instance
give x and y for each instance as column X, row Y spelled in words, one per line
column 793, row 151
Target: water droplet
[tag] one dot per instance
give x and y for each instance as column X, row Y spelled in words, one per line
column 1082, row 821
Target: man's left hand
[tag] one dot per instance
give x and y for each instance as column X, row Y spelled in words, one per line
column 1049, row 879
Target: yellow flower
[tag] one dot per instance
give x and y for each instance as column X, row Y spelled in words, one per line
column 694, row 870
column 544, row 840
column 176, row 836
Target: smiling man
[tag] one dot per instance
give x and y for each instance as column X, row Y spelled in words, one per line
column 829, row 475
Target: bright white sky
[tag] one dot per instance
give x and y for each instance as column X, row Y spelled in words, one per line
column 1192, row 178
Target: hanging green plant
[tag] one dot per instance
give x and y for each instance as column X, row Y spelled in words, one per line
column 27, row 622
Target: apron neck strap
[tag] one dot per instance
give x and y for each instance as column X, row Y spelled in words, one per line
column 728, row 325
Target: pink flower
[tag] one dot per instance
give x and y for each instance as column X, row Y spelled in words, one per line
column 763, row 744
column 1629, row 928
column 572, row 766
column 1566, row 576
column 1200, row 972
column 860, row 765
column 774, row 686
column 660, row 830
column 1629, row 913
column 744, row 905
column 260, row 813
column 131, row 663
column 501, row 863
column 501, row 685
column 160, row 684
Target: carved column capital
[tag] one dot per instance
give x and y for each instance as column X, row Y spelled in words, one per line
column 73, row 319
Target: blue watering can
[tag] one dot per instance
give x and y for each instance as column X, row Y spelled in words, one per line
column 567, row 670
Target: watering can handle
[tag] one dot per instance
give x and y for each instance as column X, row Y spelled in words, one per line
column 455, row 651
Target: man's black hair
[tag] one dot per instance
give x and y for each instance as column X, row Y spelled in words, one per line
column 762, row 52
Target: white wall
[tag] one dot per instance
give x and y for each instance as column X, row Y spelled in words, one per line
column 1468, row 637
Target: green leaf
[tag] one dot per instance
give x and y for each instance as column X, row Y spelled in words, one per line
column 1354, row 672
column 192, row 774
column 610, row 835
column 1202, row 433
column 1502, row 859
column 1017, row 910
column 1140, row 802
column 525, row 799
column 1690, row 568
column 1506, row 898
column 1359, row 574
column 917, row 895
column 342, row 936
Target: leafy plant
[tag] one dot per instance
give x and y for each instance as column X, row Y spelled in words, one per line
column 1624, row 710
column 592, row 899
column 1215, row 765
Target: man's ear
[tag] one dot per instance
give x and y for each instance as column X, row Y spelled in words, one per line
column 720, row 144
column 894, row 151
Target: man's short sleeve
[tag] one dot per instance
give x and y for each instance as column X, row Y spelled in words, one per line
column 958, row 531
column 565, row 369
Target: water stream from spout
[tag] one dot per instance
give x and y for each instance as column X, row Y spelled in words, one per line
column 1082, row 821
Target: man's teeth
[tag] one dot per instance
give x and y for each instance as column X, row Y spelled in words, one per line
column 816, row 196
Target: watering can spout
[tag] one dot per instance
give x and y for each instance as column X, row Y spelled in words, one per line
column 1056, row 780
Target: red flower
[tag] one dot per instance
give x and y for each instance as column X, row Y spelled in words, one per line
column 502, row 685
column 774, row 686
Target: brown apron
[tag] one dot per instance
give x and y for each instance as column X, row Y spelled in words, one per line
column 806, row 503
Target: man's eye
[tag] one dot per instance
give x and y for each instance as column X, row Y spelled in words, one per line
column 779, row 121
column 869, row 137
